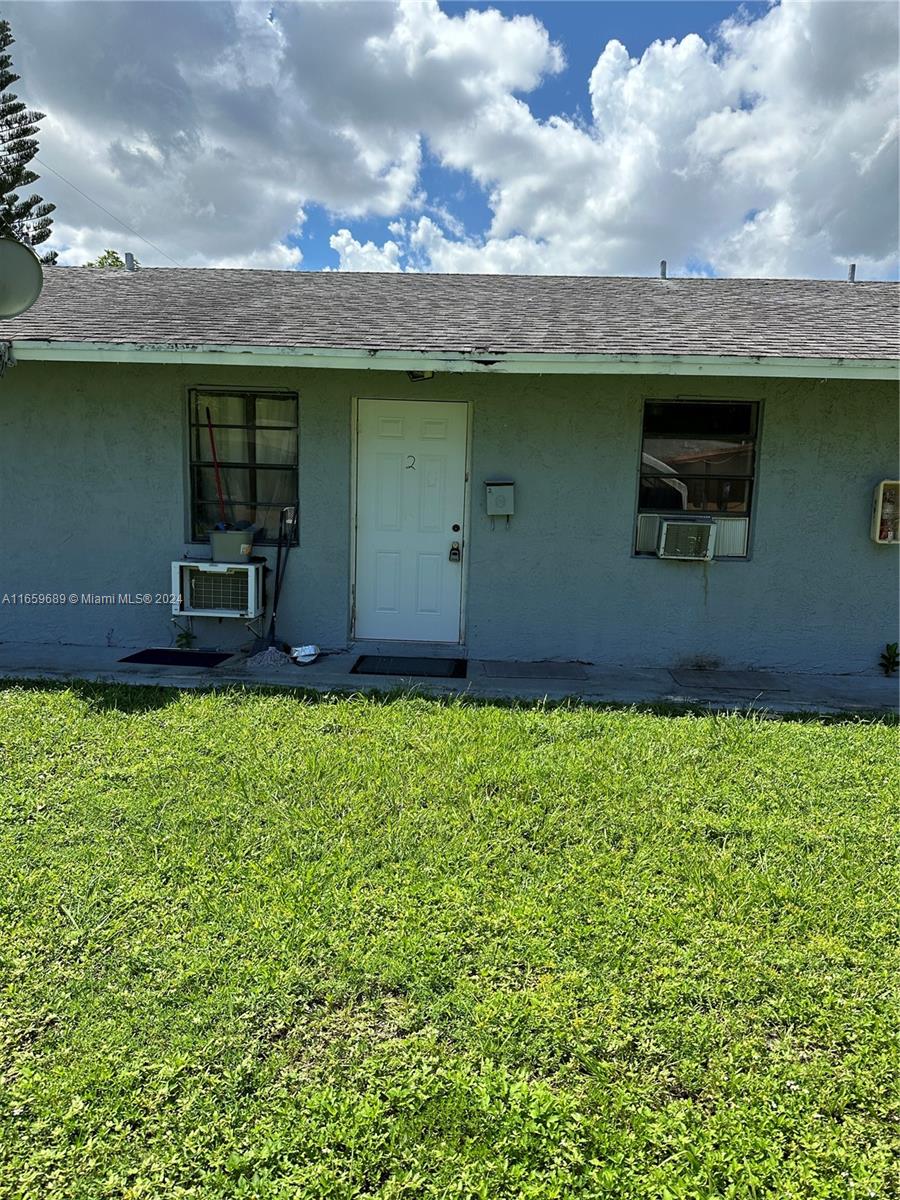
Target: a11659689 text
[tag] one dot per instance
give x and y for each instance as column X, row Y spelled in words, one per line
column 26, row 599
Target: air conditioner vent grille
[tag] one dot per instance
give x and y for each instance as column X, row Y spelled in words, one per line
column 687, row 539
column 731, row 535
column 218, row 591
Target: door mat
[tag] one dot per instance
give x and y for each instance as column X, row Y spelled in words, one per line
column 730, row 681
column 395, row 664
column 534, row 670
column 178, row 658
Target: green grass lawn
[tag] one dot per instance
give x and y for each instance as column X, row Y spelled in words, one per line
column 260, row 946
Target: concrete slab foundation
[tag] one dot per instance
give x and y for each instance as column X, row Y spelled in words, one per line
column 751, row 691
column 531, row 670
column 730, row 681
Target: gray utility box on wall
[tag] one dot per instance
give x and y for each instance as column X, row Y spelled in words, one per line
column 500, row 498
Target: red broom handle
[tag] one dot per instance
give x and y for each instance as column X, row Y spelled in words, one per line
column 215, row 458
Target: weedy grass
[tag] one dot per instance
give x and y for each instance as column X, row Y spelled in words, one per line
column 268, row 946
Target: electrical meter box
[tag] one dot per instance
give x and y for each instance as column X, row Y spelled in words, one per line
column 500, row 498
column 886, row 513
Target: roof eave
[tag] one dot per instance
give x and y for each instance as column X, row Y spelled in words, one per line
column 457, row 362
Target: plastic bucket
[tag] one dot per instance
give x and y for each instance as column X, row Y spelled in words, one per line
column 231, row 545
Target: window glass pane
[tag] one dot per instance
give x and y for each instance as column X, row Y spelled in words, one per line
column 224, row 409
column 699, row 456
column 266, row 519
column 276, row 410
column 276, row 446
column 202, row 484
column 231, row 444
column 663, row 492
column 276, row 487
column 263, row 516
column 206, row 517
column 258, row 436
column 274, row 490
column 679, row 418
column 236, row 485
column 693, row 494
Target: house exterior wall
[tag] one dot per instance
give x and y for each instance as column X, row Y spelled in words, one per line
column 94, row 494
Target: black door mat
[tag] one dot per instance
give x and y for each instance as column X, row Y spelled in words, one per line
column 395, row 664
column 178, row 658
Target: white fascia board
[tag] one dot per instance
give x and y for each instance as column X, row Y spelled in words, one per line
column 471, row 362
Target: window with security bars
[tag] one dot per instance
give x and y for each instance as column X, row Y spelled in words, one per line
column 698, row 459
column 256, row 440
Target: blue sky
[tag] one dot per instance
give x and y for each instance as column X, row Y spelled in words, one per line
column 582, row 29
column 397, row 135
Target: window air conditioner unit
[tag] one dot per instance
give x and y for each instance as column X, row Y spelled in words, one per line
column 211, row 589
column 689, row 540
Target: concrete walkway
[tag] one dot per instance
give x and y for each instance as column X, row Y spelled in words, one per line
column 716, row 690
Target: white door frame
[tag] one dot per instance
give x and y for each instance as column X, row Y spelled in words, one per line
column 467, row 507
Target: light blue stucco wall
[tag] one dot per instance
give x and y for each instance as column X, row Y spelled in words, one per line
column 92, row 488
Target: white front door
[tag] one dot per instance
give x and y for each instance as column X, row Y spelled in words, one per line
column 410, row 506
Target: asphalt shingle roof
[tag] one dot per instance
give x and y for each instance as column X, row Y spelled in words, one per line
column 493, row 314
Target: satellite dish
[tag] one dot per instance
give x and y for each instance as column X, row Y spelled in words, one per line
column 21, row 278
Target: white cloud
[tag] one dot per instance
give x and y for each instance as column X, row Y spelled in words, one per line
column 770, row 151
column 275, row 257
column 209, row 126
column 355, row 256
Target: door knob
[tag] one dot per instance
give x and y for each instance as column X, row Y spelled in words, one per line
column 455, row 552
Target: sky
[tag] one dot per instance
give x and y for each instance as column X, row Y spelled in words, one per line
column 547, row 138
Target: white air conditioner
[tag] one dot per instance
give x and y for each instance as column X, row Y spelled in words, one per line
column 211, row 589
column 686, row 540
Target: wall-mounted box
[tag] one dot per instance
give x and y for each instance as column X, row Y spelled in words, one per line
column 886, row 513
column 500, row 498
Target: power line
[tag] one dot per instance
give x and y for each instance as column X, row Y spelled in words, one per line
column 97, row 204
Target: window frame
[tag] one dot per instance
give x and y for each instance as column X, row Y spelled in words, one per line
column 754, row 403
column 195, row 536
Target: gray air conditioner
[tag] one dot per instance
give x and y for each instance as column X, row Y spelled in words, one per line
column 209, row 589
column 687, row 540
